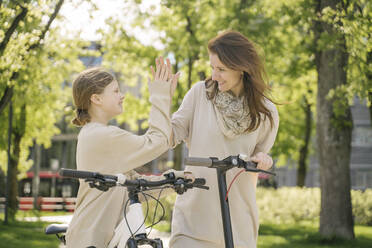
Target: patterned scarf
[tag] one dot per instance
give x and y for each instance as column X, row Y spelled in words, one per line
column 232, row 114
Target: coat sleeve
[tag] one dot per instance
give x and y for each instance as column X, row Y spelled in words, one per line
column 124, row 150
column 182, row 118
column 267, row 133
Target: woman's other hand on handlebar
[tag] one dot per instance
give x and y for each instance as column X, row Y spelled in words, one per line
column 264, row 161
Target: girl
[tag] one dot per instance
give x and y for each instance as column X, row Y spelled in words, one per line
column 228, row 114
column 110, row 150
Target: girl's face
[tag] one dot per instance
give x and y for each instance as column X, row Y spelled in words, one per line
column 227, row 78
column 112, row 99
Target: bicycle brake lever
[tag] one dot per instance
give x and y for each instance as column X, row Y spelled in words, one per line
column 201, row 187
column 259, row 170
column 100, row 184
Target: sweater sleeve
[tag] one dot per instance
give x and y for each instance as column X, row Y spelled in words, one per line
column 267, row 133
column 114, row 150
column 182, row 118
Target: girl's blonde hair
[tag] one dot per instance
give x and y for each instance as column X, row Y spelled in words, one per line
column 88, row 82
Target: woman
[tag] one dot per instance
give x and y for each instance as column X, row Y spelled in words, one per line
column 110, row 150
column 228, row 114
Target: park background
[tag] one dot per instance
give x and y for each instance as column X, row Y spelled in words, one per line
column 317, row 56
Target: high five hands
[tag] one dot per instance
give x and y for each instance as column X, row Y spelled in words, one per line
column 164, row 73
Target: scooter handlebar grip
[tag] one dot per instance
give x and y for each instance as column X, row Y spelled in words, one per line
column 194, row 161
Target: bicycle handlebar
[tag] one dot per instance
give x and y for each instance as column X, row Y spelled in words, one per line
column 112, row 180
column 150, row 184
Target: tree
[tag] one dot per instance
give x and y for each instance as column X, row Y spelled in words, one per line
column 33, row 65
column 283, row 30
column 333, row 126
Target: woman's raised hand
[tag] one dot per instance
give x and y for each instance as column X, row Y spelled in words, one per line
column 164, row 73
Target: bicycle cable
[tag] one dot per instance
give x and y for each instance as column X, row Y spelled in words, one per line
column 158, row 202
column 125, row 215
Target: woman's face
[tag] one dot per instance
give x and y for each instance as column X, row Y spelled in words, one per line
column 227, row 78
column 112, row 99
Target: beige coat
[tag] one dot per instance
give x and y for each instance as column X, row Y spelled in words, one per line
column 111, row 150
column 197, row 216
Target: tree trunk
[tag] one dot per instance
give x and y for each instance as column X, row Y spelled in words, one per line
column 36, row 178
column 369, row 78
column 20, row 17
column 7, row 96
column 18, row 133
column 333, row 134
column 177, row 159
column 370, row 106
column 304, row 151
column 13, row 189
column 2, row 183
column 189, row 72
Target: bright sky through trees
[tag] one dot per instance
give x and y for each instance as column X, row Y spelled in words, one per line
column 85, row 18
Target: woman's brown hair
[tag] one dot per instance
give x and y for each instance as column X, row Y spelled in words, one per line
column 238, row 53
column 88, row 82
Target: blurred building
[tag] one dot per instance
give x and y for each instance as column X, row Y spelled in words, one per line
column 361, row 155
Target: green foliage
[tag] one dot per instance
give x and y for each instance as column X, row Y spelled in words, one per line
column 131, row 61
column 291, row 67
column 291, row 205
column 41, row 79
column 362, row 206
column 287, row 206
column 353, row 21
column 168, row 203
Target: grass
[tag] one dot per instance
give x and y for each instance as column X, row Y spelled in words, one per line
column 299, row 235
column 26, row 234
column 34, row 213
column 306, row 235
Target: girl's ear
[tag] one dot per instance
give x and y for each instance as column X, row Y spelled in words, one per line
column 95, row 99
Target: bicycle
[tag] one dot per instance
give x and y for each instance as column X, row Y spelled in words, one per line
column 222, row 166
column 134, row 218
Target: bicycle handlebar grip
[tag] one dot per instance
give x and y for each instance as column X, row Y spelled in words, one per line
column 194, row 161
column 76, row 173
column 84, row 174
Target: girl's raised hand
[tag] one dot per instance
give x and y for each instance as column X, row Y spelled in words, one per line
column 161, row 73
column 164, row 73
